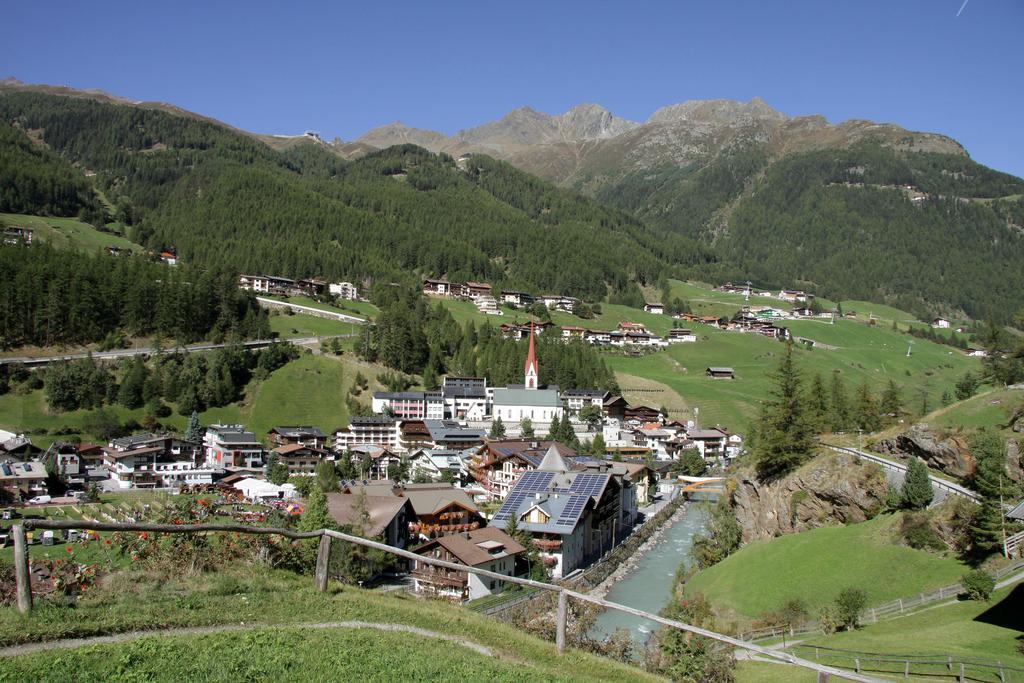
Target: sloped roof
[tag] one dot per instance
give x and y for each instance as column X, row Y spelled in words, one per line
column 382, row 510
column 471, row 548
column 553, row 461
column 542, row 398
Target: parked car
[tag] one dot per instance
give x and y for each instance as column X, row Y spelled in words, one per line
column 39, row 500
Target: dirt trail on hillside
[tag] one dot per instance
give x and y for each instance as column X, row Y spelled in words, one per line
column 71, row 643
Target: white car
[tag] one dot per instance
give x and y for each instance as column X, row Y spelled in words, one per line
column 39, row 500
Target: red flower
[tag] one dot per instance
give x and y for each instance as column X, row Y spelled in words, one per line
column 69, row 549
column 144, row 535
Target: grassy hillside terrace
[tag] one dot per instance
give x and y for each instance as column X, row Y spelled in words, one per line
column 816, row 565
column 308, row 390
column 275, row 602
column 68, row 233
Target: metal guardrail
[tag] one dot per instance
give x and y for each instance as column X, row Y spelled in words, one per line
column 311, row 310
column 947, row 486
column 326, row 536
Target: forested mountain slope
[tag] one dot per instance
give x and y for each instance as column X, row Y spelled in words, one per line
column 226, row 199
column 857, row 209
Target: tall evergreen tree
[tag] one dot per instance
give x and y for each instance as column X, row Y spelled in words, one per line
column 868, row 418
column 497, row 428
column 988, row 526
column 917, row 492
column 818, row 403
column 785, row 433
column 892, row 403
column 839, row 418
column 526, row 427
column 555, row 432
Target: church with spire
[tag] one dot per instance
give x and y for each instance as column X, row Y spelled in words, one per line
column 530, row 400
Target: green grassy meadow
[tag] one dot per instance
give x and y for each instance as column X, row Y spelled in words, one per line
column 301, row 325
column 308, row 390
column 275, row 598
column 68, row 233
column 987, row 409
column 816, row 565
column 960, row 629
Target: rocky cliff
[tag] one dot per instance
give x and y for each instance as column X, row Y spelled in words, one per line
column 948, row 454
column 833, row 487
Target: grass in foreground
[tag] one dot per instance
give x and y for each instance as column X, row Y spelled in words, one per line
column 255, row 595
column 815, row 565
column 949, row 630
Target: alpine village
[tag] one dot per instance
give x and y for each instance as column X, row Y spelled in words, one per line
column 723, row 395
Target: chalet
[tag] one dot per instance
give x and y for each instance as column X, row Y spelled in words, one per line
column 680, row 335
column 15, row 234
column 627, row 327
column 266, row 284
column 232, row 446
column 17, row 447
column 344, row 290
column 373, row 462
column 637, row 338
column 489, row 548
column 575, row 400
column 303, row 435
column 598, row 337
column 769, row 313
column 559, row 302
column 572, row 332
column 657, row 309
column 710, row 443
column 641, row 414
column 429, row 434
column 375, row 430
column 795, row 295
column 711, row 320
column 614, row 408
column 440, row 464
column 65, row 460
column 803, row 312
column 314, row 286
column 437, row 287
column 477, row 290
column 156, row 460
column 720, row 373
column 389, row 516
column 438, row 509
column 572, row 516
column 617, row 338
column 20, row 480
column 487, row 305
column 644, row 480
column 300, row 460
column 169, row 256
column 516, row 298
column 940, row 323
column 498, row 464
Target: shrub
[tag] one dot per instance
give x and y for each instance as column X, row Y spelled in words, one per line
column 917, row 532
column 828, row 619
column 849, row 604
column 978, row 585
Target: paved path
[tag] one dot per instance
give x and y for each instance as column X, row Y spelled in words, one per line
column 70, row 643
column 319, row 312
column 146, row 350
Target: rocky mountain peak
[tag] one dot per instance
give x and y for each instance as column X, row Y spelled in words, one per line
column 719, row 112
column 592, row 122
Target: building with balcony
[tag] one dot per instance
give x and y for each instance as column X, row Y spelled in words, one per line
column 488, row 548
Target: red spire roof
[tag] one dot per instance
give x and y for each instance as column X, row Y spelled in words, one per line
column 531, row 360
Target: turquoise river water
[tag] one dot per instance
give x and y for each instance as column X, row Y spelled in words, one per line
column 649, row 585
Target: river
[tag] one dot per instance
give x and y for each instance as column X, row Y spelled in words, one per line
column 649, row 586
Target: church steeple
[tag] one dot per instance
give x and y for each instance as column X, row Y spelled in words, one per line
column 531, row 370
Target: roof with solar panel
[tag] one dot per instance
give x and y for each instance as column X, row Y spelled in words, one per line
column 562, row 494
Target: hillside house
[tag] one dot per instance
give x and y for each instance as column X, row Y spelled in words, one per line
column 627, row 327
column 438, row 509
column 437, row 464
column 489, row 548
column 22, row 480
column 304, row 435
column 720, row 373
column 711, row 443
column 266, row 284
column 487, row 305
column 795, row 295
column 575, row 400
column 516, row 298
column 231, row 446
column 344, row 290
column 940, row 323
column 559, row 302
column 656, row 309
column 375, row 430
column 498, row 464
column 301, row 460
column 389, row 516
column 641, row 415
column 572, row 516
column 679, row 336
column 614, row 408
column 477, row 290
column 156, row 460
column 570, row 332
column 433, row 287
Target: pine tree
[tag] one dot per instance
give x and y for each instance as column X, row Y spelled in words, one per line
column 526, row 427
column 326, row 476
column 867, row 409
column 819, row 405
column 130, row 394
column 986, row 529
column 195, row 431
column 555, row 430
column 315, row 515
column 785, row 434
column 840, row 415
column 597, row 446
column 692, row 464
column 497, row 428
column 892, row 404
column 917, row 492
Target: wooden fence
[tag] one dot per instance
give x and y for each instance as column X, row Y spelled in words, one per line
column 327, row 536
column 886, row 610
column 930, row 666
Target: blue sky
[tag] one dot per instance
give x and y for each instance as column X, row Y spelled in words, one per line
column 342, row 68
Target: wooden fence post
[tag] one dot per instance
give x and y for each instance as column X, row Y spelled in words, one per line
column 962, row 679
column 323, row 561
column 562, row 618
column 22, row 576
column 822, row 677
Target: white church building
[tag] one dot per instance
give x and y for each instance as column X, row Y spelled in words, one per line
column 539, row 404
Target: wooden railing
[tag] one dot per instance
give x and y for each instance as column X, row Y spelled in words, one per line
column 926, row 666
column 327, row 536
